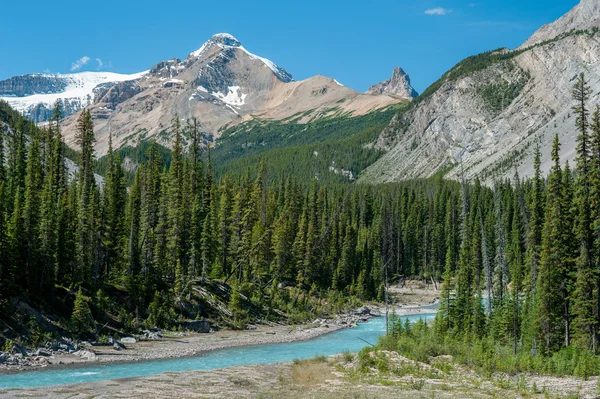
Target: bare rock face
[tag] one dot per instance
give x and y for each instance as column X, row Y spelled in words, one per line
column 485, row 116
column 398, row 85
column 584, row 16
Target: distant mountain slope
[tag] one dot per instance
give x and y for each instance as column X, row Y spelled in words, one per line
column 221, row 84
column 484, row 115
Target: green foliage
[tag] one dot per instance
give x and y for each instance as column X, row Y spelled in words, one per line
column 136, row 155
column 81, row 316
column 160, row 312
column 304, row 150
column 486, row 356
column 497, row 96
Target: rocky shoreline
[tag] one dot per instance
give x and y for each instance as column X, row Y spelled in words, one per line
column 154, row 345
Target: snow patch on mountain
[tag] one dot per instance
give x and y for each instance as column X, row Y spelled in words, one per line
column 233, row 97
column 79, row 90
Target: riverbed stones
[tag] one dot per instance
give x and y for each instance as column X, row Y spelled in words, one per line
column 42, row 352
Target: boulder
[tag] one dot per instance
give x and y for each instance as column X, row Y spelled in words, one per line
column 85, row 354
column 199, row 326
column 42, row 352
column 128, row 340
column 362, row 311
column 118, row 346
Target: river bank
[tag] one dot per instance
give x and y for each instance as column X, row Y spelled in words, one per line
column 406, row 301
column 334, row 377
column 181, row 345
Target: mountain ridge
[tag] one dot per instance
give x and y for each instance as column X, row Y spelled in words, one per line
column 483, row 117
column 221, row 84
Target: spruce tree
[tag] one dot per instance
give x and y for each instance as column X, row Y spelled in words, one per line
column 585, row 304
column 550, row 306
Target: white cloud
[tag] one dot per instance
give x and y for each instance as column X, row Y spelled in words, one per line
column 438, row 11
column 100, row 64
column 79, row 63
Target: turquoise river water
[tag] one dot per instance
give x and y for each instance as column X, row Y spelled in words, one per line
column 349, row 339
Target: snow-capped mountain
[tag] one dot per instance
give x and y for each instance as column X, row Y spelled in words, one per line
column 227, row 41
column 35, row 94
column 221, row 84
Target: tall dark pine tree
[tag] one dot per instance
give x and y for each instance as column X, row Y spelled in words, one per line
column 87, row 207
column 31, row 212
column 177, row 245
column 550, row 305
column 595, row 198
column 532, row 259
column 585, row 304
column 113, row 207
column 4, row 277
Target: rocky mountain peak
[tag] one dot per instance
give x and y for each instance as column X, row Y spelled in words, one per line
column 398, row 85
column 225, row 39
column 584, row 16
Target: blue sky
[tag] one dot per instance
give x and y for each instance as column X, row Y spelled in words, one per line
column 356, row 42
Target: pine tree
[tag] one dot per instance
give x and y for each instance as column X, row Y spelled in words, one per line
column 177, row 243
column 550, row 307
column 113, row 212
column 4, row 265
column 86, row 244
column 80, row 318
column 585, row 306
column 532, row 259
column 31, row 213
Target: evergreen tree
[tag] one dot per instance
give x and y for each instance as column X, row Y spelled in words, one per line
column 550, row 307
column 585, row 299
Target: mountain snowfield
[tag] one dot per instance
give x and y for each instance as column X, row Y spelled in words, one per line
column 79, row 90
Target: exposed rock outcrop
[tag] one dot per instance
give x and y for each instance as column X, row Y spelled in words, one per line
column 398, row 85
column 484, row 116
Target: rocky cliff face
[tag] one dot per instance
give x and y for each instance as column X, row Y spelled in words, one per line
column 398, row 85
column 584, row 16
column 485, row 115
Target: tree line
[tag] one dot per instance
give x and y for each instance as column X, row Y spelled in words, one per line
column 526, row 270
column 63, row 227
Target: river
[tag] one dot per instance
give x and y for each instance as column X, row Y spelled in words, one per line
column 349, row 339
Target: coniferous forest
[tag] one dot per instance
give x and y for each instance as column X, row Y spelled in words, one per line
column 518, row 262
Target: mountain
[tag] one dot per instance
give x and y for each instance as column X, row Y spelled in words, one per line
column 222, row 84
column 398, row 85
column 34, row 95
column 483, row 117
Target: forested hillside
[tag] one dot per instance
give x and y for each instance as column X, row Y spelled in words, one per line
column 521, row 280
column 333, row 149
column 139, row 255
